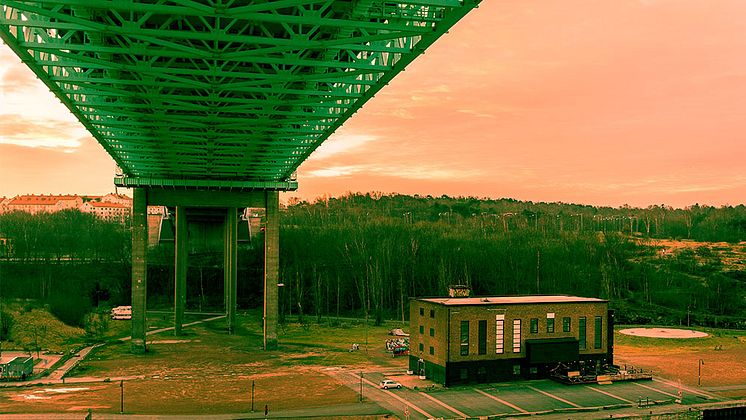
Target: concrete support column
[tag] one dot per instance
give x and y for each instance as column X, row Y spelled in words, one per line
column 139, row 268
column 230, row 246
column 181, row 265
column 271, row 268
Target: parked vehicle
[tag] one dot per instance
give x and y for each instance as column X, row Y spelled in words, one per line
column 121, row 312
column 388, row 383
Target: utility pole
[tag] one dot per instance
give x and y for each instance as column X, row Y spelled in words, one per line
column 538, row 266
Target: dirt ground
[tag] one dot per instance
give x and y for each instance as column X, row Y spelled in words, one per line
column 183, row 395
column 208, row 372
column 733, row 256
column 722, row 358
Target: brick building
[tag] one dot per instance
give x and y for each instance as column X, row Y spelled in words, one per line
column 43, row 203
column 485, row 339
column 107, row 211
column 112, row 207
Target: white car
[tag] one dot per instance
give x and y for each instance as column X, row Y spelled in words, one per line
column 388, row 383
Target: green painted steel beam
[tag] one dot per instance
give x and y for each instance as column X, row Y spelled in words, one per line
column 133, row 182
column 205, row 94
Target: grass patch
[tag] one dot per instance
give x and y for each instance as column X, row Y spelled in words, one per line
column 35, row 328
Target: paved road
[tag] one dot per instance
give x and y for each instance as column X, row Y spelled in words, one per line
column 363, row 409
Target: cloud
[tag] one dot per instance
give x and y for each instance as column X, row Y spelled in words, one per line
column 16, row 78
column 476, row 113
column 413, row 172
column 334, row 171
column 340, row 143
column 22, row 131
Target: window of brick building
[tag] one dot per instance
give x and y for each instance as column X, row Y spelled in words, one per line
column 499, row 334
column 516, row 336
column 482, row 337
column 534, row 325
column 566, row 322
column 550, row 322
column 597, row 335
column 464, row 338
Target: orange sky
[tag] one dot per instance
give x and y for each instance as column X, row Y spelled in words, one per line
column 595, row 102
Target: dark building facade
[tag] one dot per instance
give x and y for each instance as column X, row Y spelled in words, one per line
column 488, row 339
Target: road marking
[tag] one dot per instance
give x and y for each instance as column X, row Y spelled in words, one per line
column 501, row 401
column 656, row 390
column 687, row 389
column 555, row 397
column 400, row 399
column 443, row 404
column 609, row 394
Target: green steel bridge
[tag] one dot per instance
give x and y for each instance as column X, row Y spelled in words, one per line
column 215, row 103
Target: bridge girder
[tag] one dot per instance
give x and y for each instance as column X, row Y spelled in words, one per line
column 225, row 93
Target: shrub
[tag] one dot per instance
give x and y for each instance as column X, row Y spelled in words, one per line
column 70, row 309
column 6, row 324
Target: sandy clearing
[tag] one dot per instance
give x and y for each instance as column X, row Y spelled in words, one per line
column 663, row 333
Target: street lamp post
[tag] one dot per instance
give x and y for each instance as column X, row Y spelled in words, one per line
column 699, row 372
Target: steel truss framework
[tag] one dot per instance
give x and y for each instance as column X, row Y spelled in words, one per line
column 219, row 93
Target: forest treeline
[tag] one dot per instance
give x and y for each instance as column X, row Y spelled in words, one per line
column 369, row 252
column 366, row 254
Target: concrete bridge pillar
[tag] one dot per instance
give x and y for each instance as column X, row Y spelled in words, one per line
column 231, row 266
column 181, row 266
column 139, row 268
column 271, row 268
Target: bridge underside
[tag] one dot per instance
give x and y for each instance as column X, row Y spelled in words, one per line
column 219, row 93
column 215, row 103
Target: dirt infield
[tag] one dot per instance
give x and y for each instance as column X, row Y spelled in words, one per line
column 663, row 333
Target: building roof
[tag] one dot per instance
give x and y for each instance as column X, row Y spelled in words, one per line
column 109, row 205
column 4, row 360
column 511, row 300
column 37, row 200
column 120, row 196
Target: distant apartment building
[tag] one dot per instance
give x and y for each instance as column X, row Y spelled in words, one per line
column 117, row 198
column 112, row 207
column 107, row 211
column 485, row 339
column 43, row 203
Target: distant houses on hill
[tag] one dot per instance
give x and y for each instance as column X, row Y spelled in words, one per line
column 113, row 207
